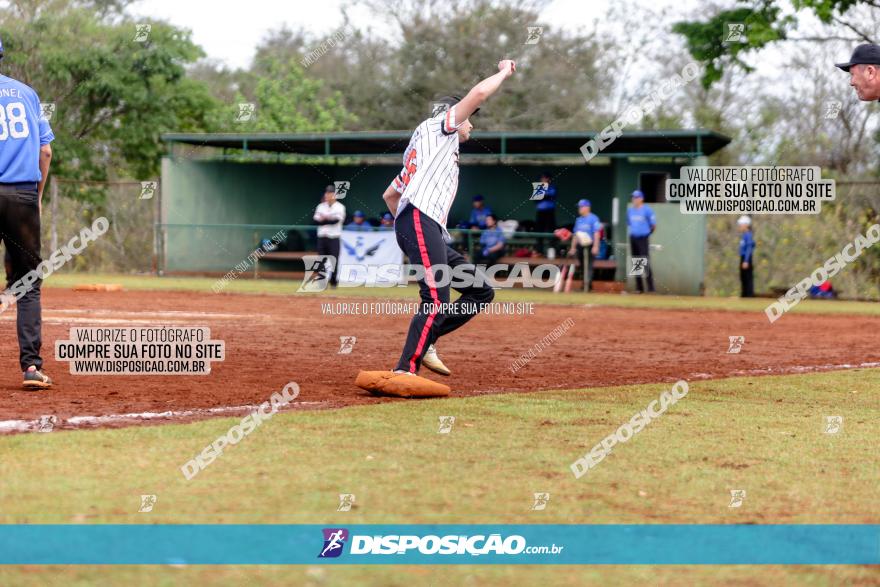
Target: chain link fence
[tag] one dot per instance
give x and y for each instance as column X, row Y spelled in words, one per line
column 127, row 247
column 790, row 247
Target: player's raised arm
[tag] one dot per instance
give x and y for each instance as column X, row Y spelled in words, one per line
column 480, row 92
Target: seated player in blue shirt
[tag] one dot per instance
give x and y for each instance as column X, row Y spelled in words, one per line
column 746, row 252
column 587, row 232
column 491, row 243
column 478, row 213
column 387, row 222
column 359, row 223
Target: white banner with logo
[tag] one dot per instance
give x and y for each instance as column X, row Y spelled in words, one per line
column 368, row 257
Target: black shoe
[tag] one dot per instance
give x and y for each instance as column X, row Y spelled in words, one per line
column 34, row 379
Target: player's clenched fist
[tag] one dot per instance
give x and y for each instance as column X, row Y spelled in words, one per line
column 507, row 65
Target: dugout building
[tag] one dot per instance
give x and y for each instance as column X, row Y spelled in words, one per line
column 220, row 194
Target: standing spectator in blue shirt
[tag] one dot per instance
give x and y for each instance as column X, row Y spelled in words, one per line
column 25, row 155
column 545, row 209
column 587, row 231
column 491, row 243
column 642, row 222
column 746, row 252
column 359, row 223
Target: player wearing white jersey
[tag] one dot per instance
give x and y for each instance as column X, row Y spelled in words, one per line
column 420, row 198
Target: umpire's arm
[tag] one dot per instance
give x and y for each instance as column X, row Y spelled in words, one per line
column 45, row 160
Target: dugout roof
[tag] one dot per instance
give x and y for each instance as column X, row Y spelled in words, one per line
column 515, row 144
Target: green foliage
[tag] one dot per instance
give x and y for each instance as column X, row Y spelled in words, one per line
column 706, row 40
column 447, row 47
column 114, row 96
column 826, row 10
column 286, row 100
column 790, row 248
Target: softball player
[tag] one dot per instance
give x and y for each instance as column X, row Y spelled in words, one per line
column 25, row 155
column 420, row 198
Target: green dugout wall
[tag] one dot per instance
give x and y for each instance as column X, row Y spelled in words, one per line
column 240, row 188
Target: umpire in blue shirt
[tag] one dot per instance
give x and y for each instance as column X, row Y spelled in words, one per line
column 25, row 155
column 642, row 222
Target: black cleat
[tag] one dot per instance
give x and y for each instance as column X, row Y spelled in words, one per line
column 34, row 379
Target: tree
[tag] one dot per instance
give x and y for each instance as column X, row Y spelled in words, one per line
column 286, row 100
column 113, row 95
column 444, row 47
column 718, row 46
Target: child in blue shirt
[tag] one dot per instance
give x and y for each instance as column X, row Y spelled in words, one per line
column 746, row 254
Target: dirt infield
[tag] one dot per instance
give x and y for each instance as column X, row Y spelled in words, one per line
column 271, row 340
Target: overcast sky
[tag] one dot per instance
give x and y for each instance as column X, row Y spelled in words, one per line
column 230, row 31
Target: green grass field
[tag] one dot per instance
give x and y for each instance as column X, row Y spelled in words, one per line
column 763, row 435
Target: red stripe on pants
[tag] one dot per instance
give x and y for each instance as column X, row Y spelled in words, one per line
column 429, row 278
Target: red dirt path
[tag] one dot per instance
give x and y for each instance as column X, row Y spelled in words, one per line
column 271, row 340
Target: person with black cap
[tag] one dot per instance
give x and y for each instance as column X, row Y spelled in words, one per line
column 329, row 215
column 25, row 156
column 864, row 71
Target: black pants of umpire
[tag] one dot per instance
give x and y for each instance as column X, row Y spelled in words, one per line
column 640, row 247
column 747, row 280
column 20, row 233
column 330, row 246
column 421, row 239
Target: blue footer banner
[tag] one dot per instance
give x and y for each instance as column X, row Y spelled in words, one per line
column 560, row 544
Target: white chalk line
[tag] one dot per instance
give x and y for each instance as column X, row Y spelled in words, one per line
column 788, row 370
column 7, row 426
column 152, row 313
column 108, row 321
column 62, row 316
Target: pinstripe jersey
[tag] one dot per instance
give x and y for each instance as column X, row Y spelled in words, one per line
column 429, row 179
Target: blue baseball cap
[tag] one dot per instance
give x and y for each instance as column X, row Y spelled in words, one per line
column 638, row 194
column 583, row 203
column 358, row 214
column 387, row 216
column 478, row 198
